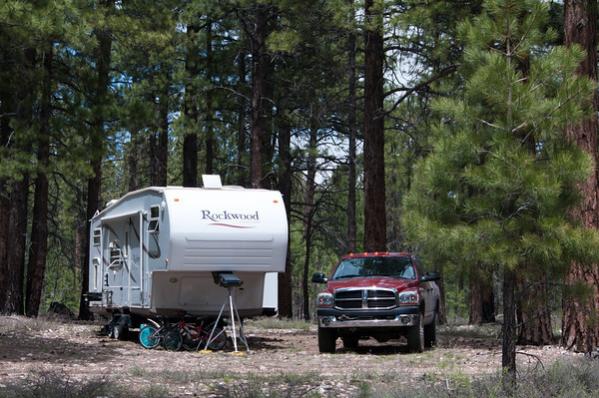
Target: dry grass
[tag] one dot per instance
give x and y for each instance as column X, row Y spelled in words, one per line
column 275, row 323
column 574, row 378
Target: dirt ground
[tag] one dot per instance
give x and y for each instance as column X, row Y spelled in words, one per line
column 281, row 359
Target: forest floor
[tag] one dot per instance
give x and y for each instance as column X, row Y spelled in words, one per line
column 284, row 361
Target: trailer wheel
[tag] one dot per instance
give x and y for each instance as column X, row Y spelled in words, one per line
column 416, row 337
column 120, row 329
column 326, row 340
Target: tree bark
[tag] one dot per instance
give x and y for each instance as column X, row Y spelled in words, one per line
column 260, row 61
column 38, row 249
column 508, row 349
column 241, row 115
column 94, row 183
column 16, row 189
column 442, row 300
column 352, row 127
column 209, row 112
column 580, row 330
column 534, row 315
column 285, row 282
column 190, row 110
column 482, row 300
column 162, row 144
column 17, row 227
column 132, row 158
column 309, row 210
column 6, row 108
column 375, row 223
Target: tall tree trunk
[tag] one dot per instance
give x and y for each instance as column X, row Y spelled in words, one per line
column 442, row 300
column 241, row 114
column 190, row 109
column 482, row 300
column 94, row 183
column 17, row 227
column 241, row 121
column 16, row 190
column 209, row 111
column 39, row 226
column 580, row 329
column 534, row 315
column 309, row 210
column 285, row 282
column 162, row 144
column 6, row 108
column 132, row 158
column 508, row 349
column 375, row 224
column 352, row 127
column 260, row 61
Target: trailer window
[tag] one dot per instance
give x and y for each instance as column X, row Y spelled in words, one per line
column 96, row 262
column 153, row 225
column 97, row 236
column 116, row 256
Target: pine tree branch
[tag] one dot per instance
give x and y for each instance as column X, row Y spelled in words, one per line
column 408, row 91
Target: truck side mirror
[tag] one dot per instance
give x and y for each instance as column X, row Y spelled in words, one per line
column 430, row 277
column 319, row 277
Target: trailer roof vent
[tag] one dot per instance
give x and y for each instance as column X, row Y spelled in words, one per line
column 111, row 202
column 211, row 181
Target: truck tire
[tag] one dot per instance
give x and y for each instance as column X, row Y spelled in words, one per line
column 350, row 342
column 430, row 332
column 416, row 337
column 326, row 340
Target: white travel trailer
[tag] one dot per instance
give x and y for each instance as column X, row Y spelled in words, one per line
column 154, row 252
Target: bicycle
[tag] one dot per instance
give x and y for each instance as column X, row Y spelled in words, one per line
column 167, row 335
column 188, row 335
column 195, row 335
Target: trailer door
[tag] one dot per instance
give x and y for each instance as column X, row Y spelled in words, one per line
column 134, row 260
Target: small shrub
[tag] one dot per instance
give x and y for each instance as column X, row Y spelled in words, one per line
column 43, row 384
column 576, row 379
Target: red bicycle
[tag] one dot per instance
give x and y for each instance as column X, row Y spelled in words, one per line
column 195, row 335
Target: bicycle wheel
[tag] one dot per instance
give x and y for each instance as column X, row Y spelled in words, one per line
column 148, row 337
column 172, row 340
column 219, row 338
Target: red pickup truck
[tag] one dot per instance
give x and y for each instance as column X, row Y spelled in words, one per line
column 380, row 295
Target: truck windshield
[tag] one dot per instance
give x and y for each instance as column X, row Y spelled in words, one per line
column 397, row 267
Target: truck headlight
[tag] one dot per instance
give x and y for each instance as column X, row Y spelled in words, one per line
column 409, row 297
column 325, row 300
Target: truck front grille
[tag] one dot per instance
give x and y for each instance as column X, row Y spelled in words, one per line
column 365, row 298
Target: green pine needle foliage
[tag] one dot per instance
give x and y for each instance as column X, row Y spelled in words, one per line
column 501, row 179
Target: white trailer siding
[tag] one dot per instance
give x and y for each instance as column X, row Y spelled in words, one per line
column 171, row 240
column 227, row 230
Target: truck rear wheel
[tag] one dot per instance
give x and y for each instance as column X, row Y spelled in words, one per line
column 350, row 342
column 430, row 332
column 326, row 340
column 416, row 337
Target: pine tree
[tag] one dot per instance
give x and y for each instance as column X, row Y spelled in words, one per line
column 502, row 175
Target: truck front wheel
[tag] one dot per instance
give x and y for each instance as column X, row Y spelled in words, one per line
column 326, row 340
column 416, row 337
